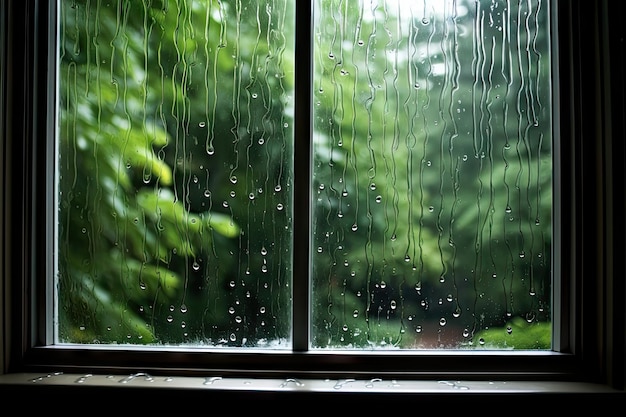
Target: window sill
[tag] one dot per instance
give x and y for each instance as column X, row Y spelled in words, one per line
column 245, row 391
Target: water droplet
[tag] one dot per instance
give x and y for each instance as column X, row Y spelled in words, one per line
column 183, row 308
column 289, row 381
column 354, row 227
column 211, row 380
column 418, row 329
column 279, row 207
column 319, row 249
column 442, row 321
column 170, row 319
column 202, row 124
column 425, row 21
column 393, row 305
column 355, row 313
column 254, row 95
column 509, row 329
column 278, row 188
column 233, row 337
column 379, row 198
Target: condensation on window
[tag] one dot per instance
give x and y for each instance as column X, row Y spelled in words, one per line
column 431, row 194
column 174, row 172
column 432, row 176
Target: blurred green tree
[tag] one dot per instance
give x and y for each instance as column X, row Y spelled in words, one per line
column 432, row 173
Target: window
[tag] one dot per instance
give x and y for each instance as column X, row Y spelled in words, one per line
column 148, row 170
column 431, row 173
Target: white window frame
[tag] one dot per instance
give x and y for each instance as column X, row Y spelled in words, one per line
column 589, row 333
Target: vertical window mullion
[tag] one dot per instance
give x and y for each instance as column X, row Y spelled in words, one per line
column 302, row 177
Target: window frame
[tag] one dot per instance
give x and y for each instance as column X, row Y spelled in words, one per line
column 589, row 338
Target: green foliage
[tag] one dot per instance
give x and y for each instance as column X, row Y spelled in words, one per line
column 517, row 334
column 432, row 190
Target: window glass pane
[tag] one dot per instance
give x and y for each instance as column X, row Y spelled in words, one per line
column 432, row 174
column 174, row 172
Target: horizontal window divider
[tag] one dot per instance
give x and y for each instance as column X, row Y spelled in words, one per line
column 518, row 365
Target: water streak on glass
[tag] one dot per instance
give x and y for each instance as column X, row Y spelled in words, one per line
column 174, row 181
column 432, row 175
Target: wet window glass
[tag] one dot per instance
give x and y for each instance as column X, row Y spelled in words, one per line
column 431, row 174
